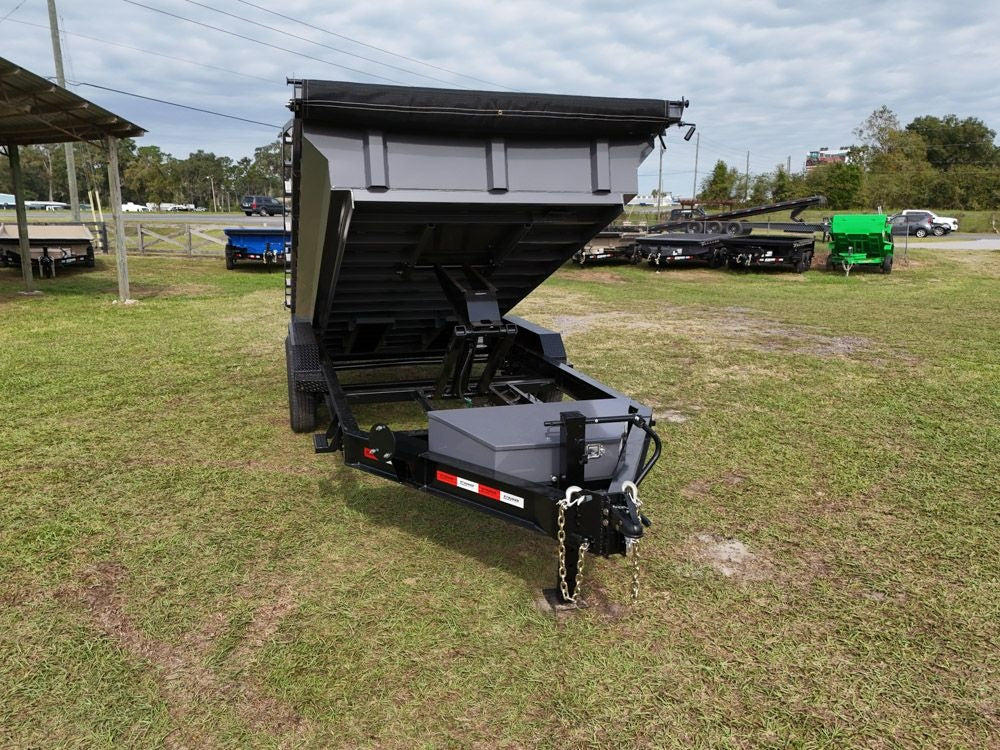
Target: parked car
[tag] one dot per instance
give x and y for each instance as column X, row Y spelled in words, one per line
column 945, row 223
column 264, row 205
column 133, row 208
column 911, row 224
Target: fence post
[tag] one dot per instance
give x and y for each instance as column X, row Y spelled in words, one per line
column 104, row 238
column 142, row 245
column 190, row 250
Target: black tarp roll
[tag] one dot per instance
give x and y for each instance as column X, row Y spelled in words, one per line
column 412, row 109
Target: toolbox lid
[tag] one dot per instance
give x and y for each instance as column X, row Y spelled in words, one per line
column 522, row 426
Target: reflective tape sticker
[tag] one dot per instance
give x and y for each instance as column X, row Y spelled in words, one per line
column 447, row 478
column 506, row 497
column 480, row 489
column 367, row 452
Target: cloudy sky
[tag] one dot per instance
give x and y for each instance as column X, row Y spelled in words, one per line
column 775, row 78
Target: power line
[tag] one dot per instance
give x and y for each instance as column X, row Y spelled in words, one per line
column 372, row 46
column 266, row 44
column 310, row 41
column 148, row 52
column 13, row 10
column 174, row 104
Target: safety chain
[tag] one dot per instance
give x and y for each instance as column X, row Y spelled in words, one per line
column 562, row 505
column 632, row 491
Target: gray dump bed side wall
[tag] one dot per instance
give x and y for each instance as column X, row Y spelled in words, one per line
column 341, row 169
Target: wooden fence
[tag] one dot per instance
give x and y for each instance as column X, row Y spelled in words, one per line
column 173, row 239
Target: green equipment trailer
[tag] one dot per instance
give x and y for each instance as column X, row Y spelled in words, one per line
column 860, row 240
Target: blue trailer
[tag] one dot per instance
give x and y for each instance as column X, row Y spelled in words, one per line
column 265, row 244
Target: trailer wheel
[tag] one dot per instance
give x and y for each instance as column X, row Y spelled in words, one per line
column 887, row 264
column 230, row 262
column 89, row 263
column 733, row 228
column 301, row 406
column 713, row 227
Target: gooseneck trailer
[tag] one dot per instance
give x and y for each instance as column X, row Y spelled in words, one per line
column 419, row 219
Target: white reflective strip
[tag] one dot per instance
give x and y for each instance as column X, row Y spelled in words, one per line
column 506, row 497
column 465, row 484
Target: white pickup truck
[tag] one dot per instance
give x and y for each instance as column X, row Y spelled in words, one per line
column 133, row 208
column 946, row 223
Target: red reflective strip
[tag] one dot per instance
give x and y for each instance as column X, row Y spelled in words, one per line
column 368, row 454
column 447, row 478
column 489, row 492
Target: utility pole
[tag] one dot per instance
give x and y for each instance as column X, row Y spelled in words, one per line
column 74, row 199
column 746, row 197
column 788, row 167
column 659, row 185
column 211, row 181
column 694, row 185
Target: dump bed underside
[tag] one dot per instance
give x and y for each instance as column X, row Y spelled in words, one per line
column 388, row 302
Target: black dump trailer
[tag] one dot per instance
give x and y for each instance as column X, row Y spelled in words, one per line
column 419, row 218
column 671, row 249
column 766, row 250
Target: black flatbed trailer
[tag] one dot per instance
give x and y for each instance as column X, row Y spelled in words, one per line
column 733, row 222
column 770, row 250
column 609, row 246
column 419, row 219
column 674, row 248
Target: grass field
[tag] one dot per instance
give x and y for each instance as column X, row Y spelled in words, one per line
column 177, row 569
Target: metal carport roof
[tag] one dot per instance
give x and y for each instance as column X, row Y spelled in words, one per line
column 35, row 110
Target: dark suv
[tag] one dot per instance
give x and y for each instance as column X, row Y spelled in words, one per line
column 264, row 205
column 914, row 225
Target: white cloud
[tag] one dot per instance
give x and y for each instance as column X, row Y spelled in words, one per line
column 777, row 78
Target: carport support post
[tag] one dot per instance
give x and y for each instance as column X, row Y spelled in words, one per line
column 23, row 245
column 115, row 186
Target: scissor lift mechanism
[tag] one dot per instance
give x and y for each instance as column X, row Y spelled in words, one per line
column 419, row 218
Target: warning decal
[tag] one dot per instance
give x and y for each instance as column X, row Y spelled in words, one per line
column 481, row 489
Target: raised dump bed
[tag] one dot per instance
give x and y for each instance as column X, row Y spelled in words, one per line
column 673, row 248
column 420, row 218
column 770, row 250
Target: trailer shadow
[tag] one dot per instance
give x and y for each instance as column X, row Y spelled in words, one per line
column 495, row 543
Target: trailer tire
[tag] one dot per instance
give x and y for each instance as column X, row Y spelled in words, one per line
column 301, row 405
column 734, row 228
column 230, row 261
column 90, row 262
column 713, row 227
column 887, row 264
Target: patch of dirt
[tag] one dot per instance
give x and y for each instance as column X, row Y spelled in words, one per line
column 183, row 680
column 607, row 277
column 148, row 291
column 701, row 487
column 730, row 557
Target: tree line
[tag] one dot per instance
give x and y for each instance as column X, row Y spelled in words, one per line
column 940, row 162
column 149, row 174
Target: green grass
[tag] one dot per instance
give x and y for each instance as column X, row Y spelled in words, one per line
column 178, row 569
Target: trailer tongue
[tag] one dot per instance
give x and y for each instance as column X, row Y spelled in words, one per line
column 419, row 219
